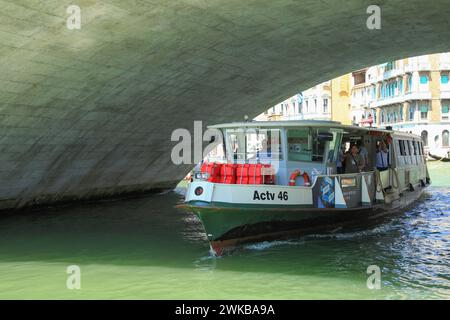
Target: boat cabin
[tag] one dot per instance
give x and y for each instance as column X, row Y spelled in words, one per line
column 272, row 151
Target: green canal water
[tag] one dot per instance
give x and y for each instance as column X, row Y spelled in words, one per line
column 147, row 249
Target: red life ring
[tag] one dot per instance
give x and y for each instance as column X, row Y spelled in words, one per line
column 295, row 174
column 306, row 180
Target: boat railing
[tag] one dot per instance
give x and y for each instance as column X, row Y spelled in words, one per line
column 388, row 184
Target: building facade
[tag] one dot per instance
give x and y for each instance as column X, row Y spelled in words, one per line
column 411, row 94
column 317, row 103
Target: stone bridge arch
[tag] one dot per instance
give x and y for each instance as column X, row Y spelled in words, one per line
column 89, row 112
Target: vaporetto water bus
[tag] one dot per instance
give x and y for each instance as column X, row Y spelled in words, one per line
column 275, row 179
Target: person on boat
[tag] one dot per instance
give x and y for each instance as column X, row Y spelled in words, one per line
column 382, row 157
column 265, row 152
column 235, row 150
column 364, row 153
column 340, row 160
column 354, row 162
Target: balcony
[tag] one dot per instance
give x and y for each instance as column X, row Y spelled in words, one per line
column 423, row 66
column 391, row 74
column 420, row 66
column 445, row 94
column 415, row 95
column 388, row 101
column 444, row 65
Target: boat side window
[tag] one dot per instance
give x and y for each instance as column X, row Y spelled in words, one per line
column 264, row 145
column 299, row 147
column 410, row 151
column 305, row 145
column 416, row 151
column 333, row 146
column 235, row 142
column 408, row 148
column 252, row 145
column 414, row 147
column 419, row 151
column 402, row 147
column 397, row 151
column 419, row 145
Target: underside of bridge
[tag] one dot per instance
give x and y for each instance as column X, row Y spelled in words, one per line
column 89, row 112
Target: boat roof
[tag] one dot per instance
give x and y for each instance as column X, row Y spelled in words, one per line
column 304, row 123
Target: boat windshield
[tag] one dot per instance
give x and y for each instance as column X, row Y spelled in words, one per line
column 253, row 145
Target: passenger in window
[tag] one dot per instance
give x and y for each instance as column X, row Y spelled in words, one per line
column 354, row 162
column 340, row 160
column 382, row 157
column 235, row 151
column 364, row 154
column 265, row 153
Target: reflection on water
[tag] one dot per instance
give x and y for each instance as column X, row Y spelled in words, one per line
column 147, row 248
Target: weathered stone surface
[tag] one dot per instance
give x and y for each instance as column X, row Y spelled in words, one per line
column 90, row 112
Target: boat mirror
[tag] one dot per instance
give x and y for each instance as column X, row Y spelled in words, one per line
column 325, row 136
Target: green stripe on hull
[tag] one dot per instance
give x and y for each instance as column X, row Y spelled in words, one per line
column 218, row 222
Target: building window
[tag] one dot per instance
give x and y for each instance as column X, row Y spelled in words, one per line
column 315, row 105
column 444, row 78
column 444, row 111
column 445, row 138
column 409, row 83
column 423, row 79
column 389, row 66
column 412, row 110
column 424, row 112
column 325, row 105
column 401, row 113
column 359, row 77
column 424, row 136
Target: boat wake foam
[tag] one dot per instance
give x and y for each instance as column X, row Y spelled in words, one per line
column 269, row 244
column 339, row 236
